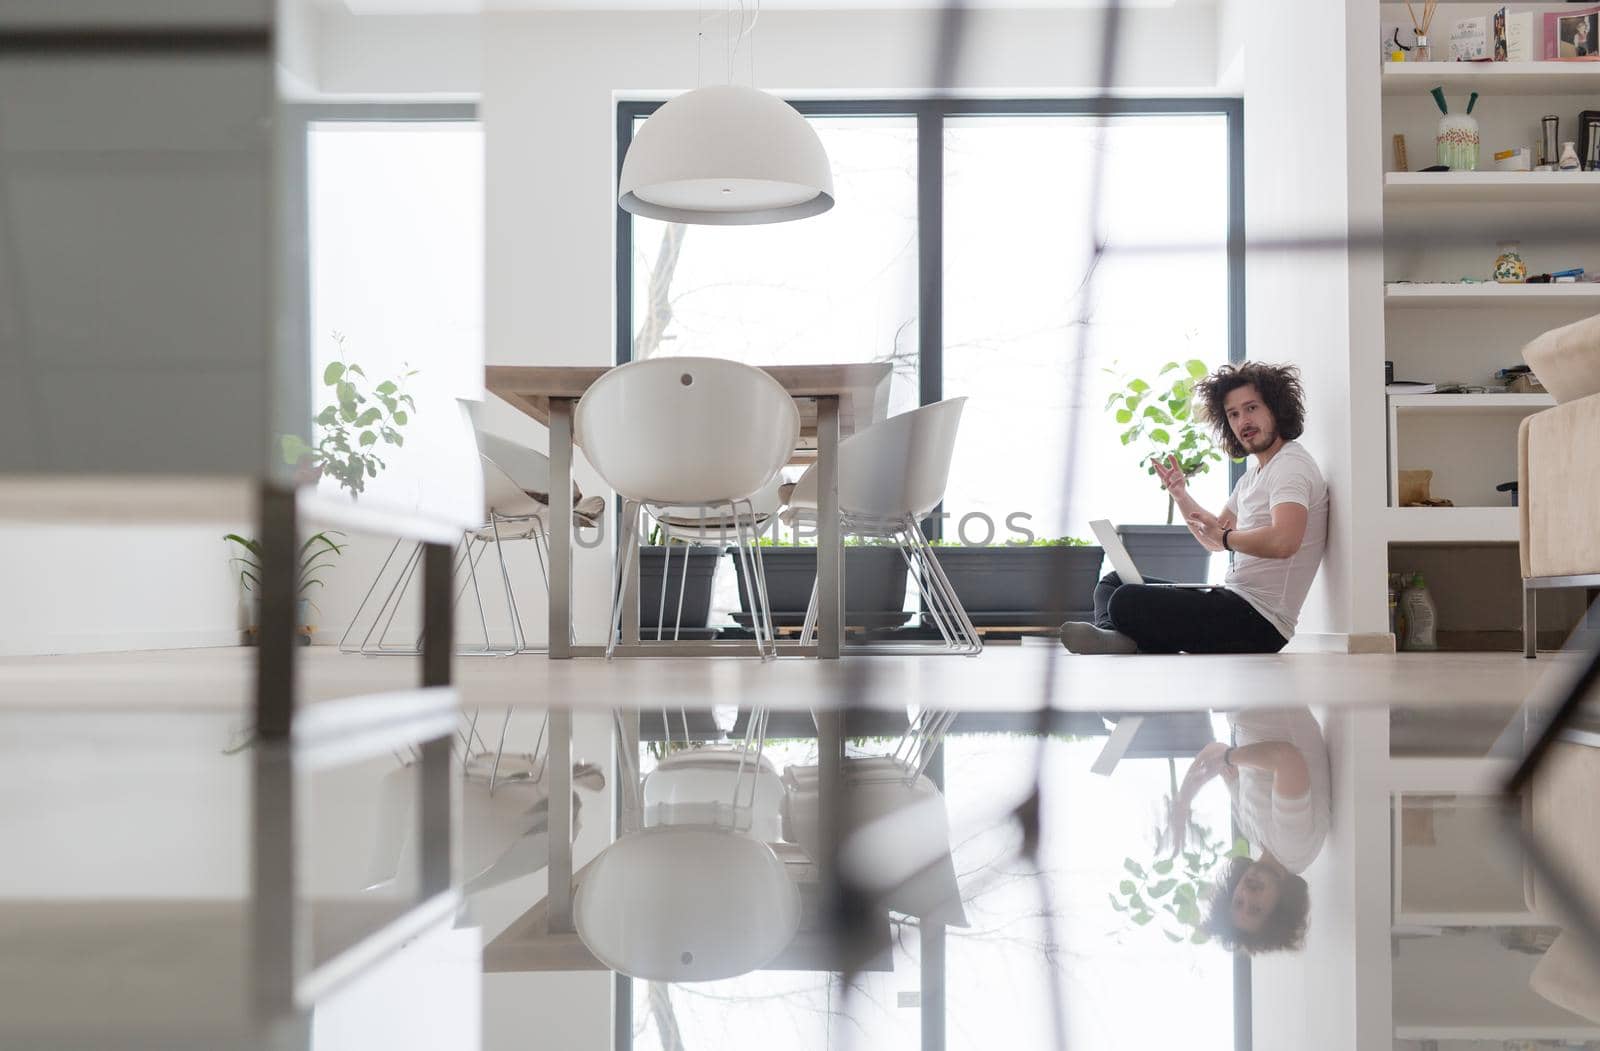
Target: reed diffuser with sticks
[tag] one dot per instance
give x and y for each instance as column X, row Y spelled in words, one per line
column 1420, row 26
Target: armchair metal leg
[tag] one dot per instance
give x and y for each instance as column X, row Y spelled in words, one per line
column 1530, row 621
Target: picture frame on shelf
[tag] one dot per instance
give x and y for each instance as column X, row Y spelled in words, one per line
column 1573, row 36
column 1470, row 40
column 1521, row 40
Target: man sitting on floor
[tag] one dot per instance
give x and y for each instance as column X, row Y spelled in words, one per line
column 1275, row 523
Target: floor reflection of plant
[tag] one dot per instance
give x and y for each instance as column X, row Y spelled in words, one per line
column 1165, row 893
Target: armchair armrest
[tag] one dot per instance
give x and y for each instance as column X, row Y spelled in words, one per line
column 1558, row 453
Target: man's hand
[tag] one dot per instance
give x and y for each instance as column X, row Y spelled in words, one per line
column 1206, row 529
column 1206, row 765
column 1173, row 480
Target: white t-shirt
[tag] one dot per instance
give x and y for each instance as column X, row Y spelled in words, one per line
column 1277, row 587
column 1291, row 827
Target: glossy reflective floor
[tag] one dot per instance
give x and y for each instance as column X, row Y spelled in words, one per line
column 1426, row 923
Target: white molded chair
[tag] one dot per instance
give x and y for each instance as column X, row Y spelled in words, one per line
column 688, row 433
column 516, row 485
column 891, row 476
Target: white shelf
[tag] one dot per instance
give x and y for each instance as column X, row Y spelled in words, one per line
column 1416, row 295
column 1451, row 525
column 1488, row 187
column 1470, row 403
column 1498, row 78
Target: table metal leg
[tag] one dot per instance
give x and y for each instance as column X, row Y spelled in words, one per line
column 630, row 583
column 560, row 766
column 830, row 540
column 560, row 536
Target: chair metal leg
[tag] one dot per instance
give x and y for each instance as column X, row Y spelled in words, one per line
column 1530, row 621
column 683, row 586
column 397, row 595
column 761, row 578
column 666, row 578
column 519, row 638
column 367, row 598
column 809, row 627
column 624, row 566
column 760, row 620
column 973, row 643
column 919, row 576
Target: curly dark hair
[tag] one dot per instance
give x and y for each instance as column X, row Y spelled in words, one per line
column 1280, row 390
column 1284, row 930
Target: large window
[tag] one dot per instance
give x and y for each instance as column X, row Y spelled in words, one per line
column 960, row 250
column 1015, row 310
column 1040, row 331
column 394, row 218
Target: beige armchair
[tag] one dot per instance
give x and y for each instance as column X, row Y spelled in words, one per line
column 1558, row 470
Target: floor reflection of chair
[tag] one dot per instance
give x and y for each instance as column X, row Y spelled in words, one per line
column 690, row 891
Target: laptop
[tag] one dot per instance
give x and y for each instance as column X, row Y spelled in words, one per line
column 1121, row 561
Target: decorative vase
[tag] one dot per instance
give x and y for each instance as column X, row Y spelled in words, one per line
column 1569, row 157
column 1509, row 269
column 1458, row 142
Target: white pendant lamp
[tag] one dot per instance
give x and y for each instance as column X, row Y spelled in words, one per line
column 726, row 155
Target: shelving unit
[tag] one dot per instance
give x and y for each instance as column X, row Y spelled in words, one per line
column 1429, row 423
column 1452, row 525
column 1500, row 78
column 1422, row 295
column 1492, row 187
column 1520, row 404
column 1440, row 227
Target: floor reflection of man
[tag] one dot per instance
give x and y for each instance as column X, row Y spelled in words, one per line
column 1276, row 770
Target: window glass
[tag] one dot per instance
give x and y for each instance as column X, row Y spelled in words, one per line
column 1020, row 301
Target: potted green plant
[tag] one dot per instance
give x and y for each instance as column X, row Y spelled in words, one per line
column 316, row 555
column 362, row 417
column 1023, row 583
column 874, row 582
column 1157, row 420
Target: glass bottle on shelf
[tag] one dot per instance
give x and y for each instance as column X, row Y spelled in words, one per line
column 1509, row 269
column 1421, row 52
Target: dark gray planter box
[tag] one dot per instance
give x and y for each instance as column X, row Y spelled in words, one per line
column 1022, row 586
column 1168, row 552
column 696, row 589
column 874, row 585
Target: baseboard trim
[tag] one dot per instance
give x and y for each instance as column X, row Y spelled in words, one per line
column 121, row 642
column 1341, row 642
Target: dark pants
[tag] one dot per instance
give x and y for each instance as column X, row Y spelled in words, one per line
column 1183, row 620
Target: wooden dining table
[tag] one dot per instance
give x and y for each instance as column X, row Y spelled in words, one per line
column 834, row 400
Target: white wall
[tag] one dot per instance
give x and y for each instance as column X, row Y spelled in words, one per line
column 1311, row 104
column 87, row 588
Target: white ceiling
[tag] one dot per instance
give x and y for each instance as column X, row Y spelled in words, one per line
column 439, row 7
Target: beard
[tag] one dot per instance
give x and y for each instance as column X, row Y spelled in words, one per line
column 1259, row 440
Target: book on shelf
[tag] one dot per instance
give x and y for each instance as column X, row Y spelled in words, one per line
column 1411, row 387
